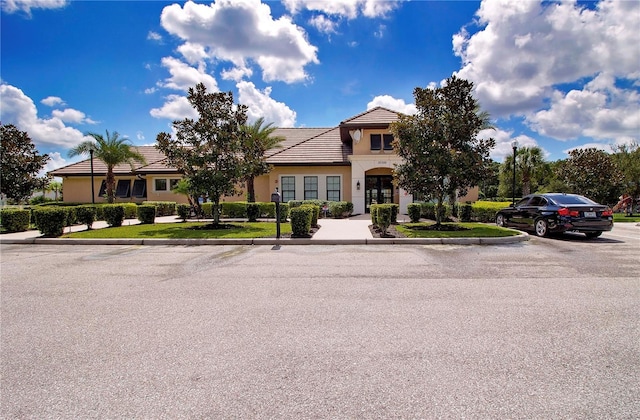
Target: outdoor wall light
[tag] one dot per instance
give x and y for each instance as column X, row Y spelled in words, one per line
column 358, row 185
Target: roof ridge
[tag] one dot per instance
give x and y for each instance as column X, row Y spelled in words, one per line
column 301, row 142
column 367, row 112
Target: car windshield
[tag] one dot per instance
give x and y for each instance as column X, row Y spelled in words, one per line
column 571, row 199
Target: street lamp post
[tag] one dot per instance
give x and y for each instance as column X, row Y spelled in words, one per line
column 276, row 198
column 514, row 145
column 93, row 195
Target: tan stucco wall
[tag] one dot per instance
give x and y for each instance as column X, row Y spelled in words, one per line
column 363, row 147
column 266, row 184
column 78, row 190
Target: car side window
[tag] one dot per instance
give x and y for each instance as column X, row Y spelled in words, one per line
column 522, row 202
column 536, row 202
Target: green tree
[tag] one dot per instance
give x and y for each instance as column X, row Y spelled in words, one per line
column 20, row 164
column 592, row 173
column 440, row 146
column 627, row 158
column 531, row 170
column 257, row 140
column 489, row 185
column 208, row 150
column 111, row 149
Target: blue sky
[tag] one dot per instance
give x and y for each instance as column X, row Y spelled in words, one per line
column 558, row 75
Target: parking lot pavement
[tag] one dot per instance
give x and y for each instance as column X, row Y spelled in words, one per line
column 540, row 329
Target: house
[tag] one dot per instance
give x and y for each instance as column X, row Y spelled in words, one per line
column 351, row 162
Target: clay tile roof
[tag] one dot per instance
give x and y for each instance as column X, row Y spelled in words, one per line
column 325, row 148
column 375, row 116
column 153, row 157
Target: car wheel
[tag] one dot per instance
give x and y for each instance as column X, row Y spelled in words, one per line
column 500, row 220
column 593, row 235
column 541, row 227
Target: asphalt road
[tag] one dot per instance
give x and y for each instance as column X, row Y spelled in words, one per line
column 537, row 330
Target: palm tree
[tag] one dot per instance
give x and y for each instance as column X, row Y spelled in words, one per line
column 113, row 150
column 257, row 140
column 531, row 163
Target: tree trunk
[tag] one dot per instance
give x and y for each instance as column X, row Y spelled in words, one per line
column 111, row 184
column 216, row 211
column 251, row 193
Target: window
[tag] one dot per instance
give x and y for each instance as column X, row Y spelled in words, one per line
column 388, row 139
column 123, row 188
column 288, row 184
column 103, row 189
column 173, row 183
column 333, row 188
column 375, row 141
column 139, row 188
column 310, row 187
column 161, row 184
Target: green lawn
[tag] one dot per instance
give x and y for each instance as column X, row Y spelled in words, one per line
column 189, row 230
column 622, row 218
column 469, row 230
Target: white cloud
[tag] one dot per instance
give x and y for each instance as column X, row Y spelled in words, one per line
column 349, row 9
column 183, row 76
column 526, row 48
column 380, row 32
column 394, row 104
column 176, row 107
column 55, row 161
column 154, row 36
column 70, row 115
column 11, row 6
column 504, row 139
column 236, row 73
column 150, row 91
column 20, row 110
column 52, row 101
column 260, row 104
column 242, row 30
column 323, row 24
column 600, row 110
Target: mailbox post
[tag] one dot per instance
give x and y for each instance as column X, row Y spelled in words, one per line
column 275, row 198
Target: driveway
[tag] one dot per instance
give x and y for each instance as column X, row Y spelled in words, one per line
column 540, row 329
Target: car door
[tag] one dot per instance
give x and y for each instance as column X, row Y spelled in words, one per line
column 517, row 216
column 531, row 211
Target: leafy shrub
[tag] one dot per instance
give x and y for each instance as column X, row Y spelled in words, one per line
column 314, row 214
column 428, row 211
column 301, row 218
column 40, row 199
column 113, row 214
column 294, row 203
column 464, row 212
column 340, row 209
column 414, row 210
column 147, row 214
column 184, row 210
column 373, row 211
column 385, row 216
column 207, row 210
column 253, row 211
column 15, row 220
column 269, row 209
column 284, row 211
column 86, row 215
column 130, row 210
column 234, row 210
column 51, row 221
column 485, row 211
column 163, row 208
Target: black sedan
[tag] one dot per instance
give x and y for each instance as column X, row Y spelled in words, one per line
column 557, row 213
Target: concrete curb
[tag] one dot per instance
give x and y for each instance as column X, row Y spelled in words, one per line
column 523, row 236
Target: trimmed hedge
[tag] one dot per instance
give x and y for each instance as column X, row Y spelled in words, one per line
column 113, row 214
column 383, row 215
column 130, row 210
column 340, row 209
column 163, row 208
column 86, row 215
column 234, row 210
column 51, row 221
column 15, row 220
column 301, row 218
column 415, row 212
column 184, row 210
column 147, row 214
column 485, row 211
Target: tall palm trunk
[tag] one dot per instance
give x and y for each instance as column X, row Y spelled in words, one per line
column 111, row 183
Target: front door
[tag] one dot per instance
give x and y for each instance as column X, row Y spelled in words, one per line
column 378, row 190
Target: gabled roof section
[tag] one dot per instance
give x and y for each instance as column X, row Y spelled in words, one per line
column 294, row 136
column 325, row 148
column 154, row 158
column 376, row 116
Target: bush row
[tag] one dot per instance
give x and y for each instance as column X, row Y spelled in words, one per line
column 480, row 211
column 15, row 220
column 335, row 209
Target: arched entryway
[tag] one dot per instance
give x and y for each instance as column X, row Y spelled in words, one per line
column 379, row 188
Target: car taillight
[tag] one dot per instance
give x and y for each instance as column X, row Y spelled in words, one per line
column 566, row 212
column 607, row 212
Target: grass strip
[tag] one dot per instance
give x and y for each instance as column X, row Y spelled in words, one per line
column 189, row 230
column 467, row 230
